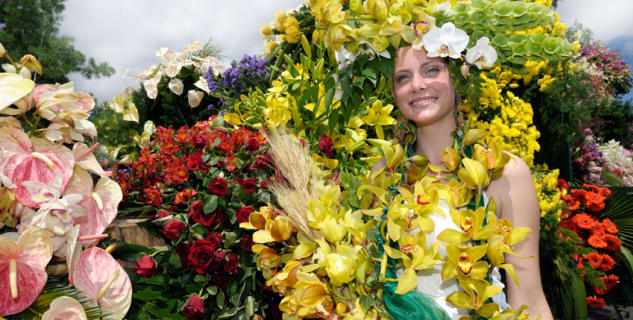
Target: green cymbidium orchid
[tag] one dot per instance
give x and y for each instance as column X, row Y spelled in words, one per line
column 477, row 292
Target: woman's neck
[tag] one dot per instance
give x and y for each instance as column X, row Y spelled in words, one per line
column 432, row 139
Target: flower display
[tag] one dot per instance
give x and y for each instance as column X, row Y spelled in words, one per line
column 199, row 183
column 598, row 239
column 52, row 205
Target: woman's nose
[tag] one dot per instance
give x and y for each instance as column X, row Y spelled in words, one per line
column 418, row 83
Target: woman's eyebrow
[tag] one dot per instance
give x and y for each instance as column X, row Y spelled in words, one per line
column 401, row 70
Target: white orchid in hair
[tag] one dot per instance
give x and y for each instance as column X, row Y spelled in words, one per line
column 446, row 41
column 482, row 54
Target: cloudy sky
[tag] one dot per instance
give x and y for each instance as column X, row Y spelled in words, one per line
column 127, row 34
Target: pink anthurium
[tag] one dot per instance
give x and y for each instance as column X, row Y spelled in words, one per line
column 100, row 201
column 101, row 277
column 33, row 159
column 22, row 268
column 65, row 308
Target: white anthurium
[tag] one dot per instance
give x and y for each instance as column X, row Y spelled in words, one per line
column 446, row 41
column 202, row 85
column 173, row 67
column 151, row 87
column 176, row 86
column 482, row 54
column 85, row 127
column 194, row 97
column 87, row 160
column 13, row 88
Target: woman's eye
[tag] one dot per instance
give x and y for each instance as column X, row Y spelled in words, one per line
column 402, row 77
column 431, row 71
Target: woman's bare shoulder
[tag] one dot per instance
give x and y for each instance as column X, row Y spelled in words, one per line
column 515, row 182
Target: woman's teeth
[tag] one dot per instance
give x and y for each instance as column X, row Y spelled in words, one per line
column 423, row 101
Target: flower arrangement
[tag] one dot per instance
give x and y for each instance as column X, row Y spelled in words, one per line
column 338, row 262
column 198, row 183
column 53, row 212
column 602, row 163
column 597, row 239
column 237, row 79
column 607, row 68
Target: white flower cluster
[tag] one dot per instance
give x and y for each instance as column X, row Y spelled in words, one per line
column 620, row 158
column 449, row 41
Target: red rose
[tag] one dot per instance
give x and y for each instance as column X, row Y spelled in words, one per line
column 231, row 265
column 252, row 144
column 145, row 267
column 248, row 185
column 217, row 260
column 243, row 213
column 247, row 242
column 325, row 145
column 266, row 183
column 201, row 255
column 182, row 249
column 221, row 280
column 215, row 238
column 261, row 163
column 172, row 229
column 195, row 161
column 218, row 186
column 162, row 214
column 194, row 309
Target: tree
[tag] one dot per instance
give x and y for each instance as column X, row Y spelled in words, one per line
column 32, row 26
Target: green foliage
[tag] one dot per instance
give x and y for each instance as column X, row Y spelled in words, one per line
column 114, row 132
column 32, row 26
column 619, row 209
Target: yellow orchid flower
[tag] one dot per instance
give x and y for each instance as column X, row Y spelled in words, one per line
column 462, row 260
column 267, row 258
column 459, row 194
column 378, row 116
column 450, row 158
column 341, row 265
column 305, row 248
column 473, row 174
column 477, row 292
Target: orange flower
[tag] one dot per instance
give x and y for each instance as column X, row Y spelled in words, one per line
column 580, row 264
column 571, row 202
column 595, row 302
column 562, row 184
column 594, row 258
column 610, row 281
column 597, row 242
column 598, row 230
column 607, row 263
column 584, row 221
column 595, row 202
column 609, row 226
column 613, row 242
column 578, row 194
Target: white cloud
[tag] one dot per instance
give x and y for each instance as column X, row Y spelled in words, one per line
column 608, row 19
column 126, row 34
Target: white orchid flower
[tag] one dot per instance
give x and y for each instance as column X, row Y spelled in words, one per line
column 482, row 54
column 446, row 41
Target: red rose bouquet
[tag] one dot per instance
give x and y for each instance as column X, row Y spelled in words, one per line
column 198, row 183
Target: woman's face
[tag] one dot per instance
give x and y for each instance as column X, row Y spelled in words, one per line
column 422, row 87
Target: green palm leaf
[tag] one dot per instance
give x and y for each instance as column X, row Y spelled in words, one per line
column 572, row 292
column 57, row 287
column 619, row 209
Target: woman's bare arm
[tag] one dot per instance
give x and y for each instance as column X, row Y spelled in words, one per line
column 517, row 201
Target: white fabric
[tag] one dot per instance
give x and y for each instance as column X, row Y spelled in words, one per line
column 430, row 280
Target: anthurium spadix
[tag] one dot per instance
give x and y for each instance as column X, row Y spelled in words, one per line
column 12, row 88
column 87, row 160
column 23, row 261
column 100, row 201
column 98, row 275
column 65, row 308
column 34, row 159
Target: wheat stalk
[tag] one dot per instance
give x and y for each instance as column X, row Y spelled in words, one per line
column 295, row 164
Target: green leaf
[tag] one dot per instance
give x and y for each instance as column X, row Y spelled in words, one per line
column 219, row 299
column 231, row 312
column 627, row 257
column 210, row 203
column 148, row 293
column 174, row 260
column 130, row 252
column 199, row 278
column 212, row 290
column 157, row 279
column 249, row 306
